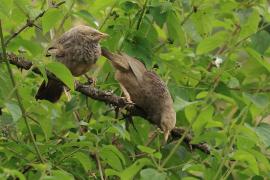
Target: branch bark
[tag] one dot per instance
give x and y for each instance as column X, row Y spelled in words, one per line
column 108, row 98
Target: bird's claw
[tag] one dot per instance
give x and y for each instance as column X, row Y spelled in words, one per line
column 91, row 80
column 109, row 93
column 128, row 101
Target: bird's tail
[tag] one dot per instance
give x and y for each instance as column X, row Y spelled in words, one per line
column 117, row 60
column 108, row 54
column 51, row 91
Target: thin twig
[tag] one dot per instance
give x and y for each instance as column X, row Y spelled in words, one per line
column 19, row 99
column 232, row 138
column 107, row 17
column 70, row 154
column 66, row 16
column 99, row 166
column 245, row 38
column 141, row 15
column 30, row 23
column 226, row 175
column 187, row 17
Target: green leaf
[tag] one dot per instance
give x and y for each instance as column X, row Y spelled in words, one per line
column 62, row 72
column 261, row 41
column 14, row 173
column 51, row 17
column 59, row 174
column 262, row 160
column 23, row 6
column 219, row 137
column 257, row 57
column 84, row 160
column 87, row 17
column 113, row 157
column 263, row 131
column 175, row 30
column 145, row 149
column 14, row 110
column 150, row 173
column 131, row 171
column 180, row 104
column 249, row 158
column 260, row 100
column 191, row 112
column 99, row 5
column 212, row 42
column 5, row 6
column 251, row 24
column 204, row 117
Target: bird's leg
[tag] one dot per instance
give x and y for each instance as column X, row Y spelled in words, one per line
column 129, row 121
column 91, row 80
column 126, row 94
column 127, row 116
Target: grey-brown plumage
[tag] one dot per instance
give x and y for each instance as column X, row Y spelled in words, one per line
column 145, row 89
column 78, row 49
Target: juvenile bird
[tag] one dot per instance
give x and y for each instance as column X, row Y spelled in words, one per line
column 78, row 49
column 145, row 89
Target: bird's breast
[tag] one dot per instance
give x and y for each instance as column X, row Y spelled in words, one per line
column 81, row 56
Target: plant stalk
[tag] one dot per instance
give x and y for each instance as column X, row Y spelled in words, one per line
column 19, row 99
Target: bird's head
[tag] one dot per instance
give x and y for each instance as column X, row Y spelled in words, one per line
column 167, row 123
column 90, row 32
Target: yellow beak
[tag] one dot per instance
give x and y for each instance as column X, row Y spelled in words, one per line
column 102, row 35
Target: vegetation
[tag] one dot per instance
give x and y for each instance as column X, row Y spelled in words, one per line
column 214, row 55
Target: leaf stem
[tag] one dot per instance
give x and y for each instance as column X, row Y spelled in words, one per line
column 141, row 15
column 107, row 17
column 232, row 139
column 99, row 166
column 19, row 99
column 174, row 149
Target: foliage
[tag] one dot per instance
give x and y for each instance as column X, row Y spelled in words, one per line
column 226, row 107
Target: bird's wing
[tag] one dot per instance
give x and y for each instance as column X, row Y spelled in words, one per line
column 158, row 87
column 57, row 49
column 117, row 60
column 137, row 67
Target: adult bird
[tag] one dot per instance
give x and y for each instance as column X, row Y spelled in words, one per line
column 78, row 49
column 145, row 89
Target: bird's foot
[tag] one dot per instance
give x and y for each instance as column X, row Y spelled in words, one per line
column 109, row 92
column 91, row 80
column 128, row 101
column 129, row 121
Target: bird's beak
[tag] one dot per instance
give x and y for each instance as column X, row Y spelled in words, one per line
column 102, row 35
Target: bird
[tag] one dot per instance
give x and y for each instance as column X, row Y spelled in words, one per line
column 78, row 49
column 145, row 89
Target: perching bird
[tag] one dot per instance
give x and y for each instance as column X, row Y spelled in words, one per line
column 78, row 49
column 145, row 89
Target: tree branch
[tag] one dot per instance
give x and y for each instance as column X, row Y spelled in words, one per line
column 30, row 23
column 106, row 97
